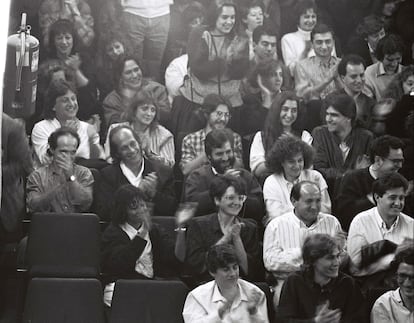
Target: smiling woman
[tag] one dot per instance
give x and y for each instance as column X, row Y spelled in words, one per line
column 142, row 116
column 61, row 110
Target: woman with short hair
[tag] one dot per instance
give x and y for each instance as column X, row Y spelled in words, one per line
column 142, row 116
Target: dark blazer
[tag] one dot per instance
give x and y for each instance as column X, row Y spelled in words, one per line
column 119, row 254
column 197, row 186
column 111, row 178
column 204, row 231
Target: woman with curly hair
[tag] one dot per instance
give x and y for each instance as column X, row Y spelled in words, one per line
column 142, row 116
column 284, row 118
column 290, row 160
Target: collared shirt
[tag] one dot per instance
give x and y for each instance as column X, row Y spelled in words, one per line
column 276, row 192
column 312, row 71
column 46, row 178
column 389, row 308
column 368, row 227
column 377, row 80
column 284, row 237
column 144, row 264
column 203, row 303
column 193, row 146
column 130, row 176
column 43, row 129
column 257, row 151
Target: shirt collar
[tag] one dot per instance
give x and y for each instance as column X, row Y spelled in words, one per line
column 301, row 224
column 381, row 223
column 306, row 35
column 329, row 64
column 129, row 230
column 214, row 171
column 217, row 297
column 381, row 69
column 128, row 173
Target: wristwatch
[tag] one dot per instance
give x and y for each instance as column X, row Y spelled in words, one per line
column 71, row 178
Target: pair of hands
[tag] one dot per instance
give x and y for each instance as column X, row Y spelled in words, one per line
column 232, row 232
column 252, row 303
column 74, row 61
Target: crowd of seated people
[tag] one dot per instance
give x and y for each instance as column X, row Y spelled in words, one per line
column 280, row 143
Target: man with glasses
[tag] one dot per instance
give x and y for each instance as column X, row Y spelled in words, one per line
column 216, row 112
column 284, row 235
column 219, row 151
column 355, row 190
column 375, row 234
column 398, row 305
column 224, row 227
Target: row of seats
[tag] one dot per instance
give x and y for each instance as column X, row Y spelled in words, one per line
column 63, row 266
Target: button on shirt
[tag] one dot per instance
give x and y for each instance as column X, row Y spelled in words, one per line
column 202, row 305
column 368, row 227
column 389, row 308
column 284, row 237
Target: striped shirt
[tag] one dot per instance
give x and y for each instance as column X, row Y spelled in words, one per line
column 284, row 237
column 368, row 227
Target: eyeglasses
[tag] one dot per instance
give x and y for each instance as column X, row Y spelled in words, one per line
column 233, row 198
column 396, row 160
column 403, row 277
column 136, row 204
column 222, row 114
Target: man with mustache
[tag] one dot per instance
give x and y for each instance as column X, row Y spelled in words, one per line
column 216, row 112
column 375, row 234
column 219, row 150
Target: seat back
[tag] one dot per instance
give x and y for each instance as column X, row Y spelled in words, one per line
column 64, row 245
column 269, row 299
column 62, row 300
column 148, row 301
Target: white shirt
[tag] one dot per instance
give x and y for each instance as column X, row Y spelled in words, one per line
column 368, row 227
column 257, row 152
column 202, row 305
column 276, row 192
column 284, row 237
column 389, row 308
column 43, row 129
column 130, row 176
column 147, row 8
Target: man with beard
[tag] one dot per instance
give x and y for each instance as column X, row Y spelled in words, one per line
column 355, row 191
column 351, row 70
column 375, row 234
column 216, row 112
column 224, row 226
column 219, row 150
